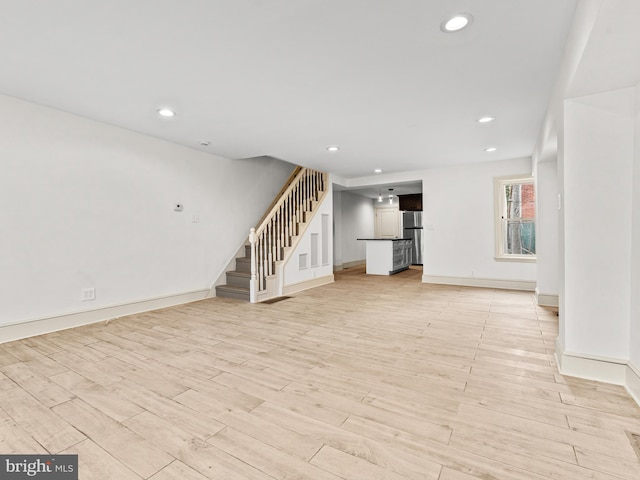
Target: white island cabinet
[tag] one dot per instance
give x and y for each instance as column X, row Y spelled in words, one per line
column 386, row 256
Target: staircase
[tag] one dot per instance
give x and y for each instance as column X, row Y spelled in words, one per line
column 258, row 275
column 239, row 280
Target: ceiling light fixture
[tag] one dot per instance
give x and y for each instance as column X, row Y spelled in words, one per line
column 333, row 148
column 166, row 112
column 204, row 143
column 379, row 197
column 490, row 149
column 377, row 170
column 390, row 196
column 486, row 119
column 456, row 23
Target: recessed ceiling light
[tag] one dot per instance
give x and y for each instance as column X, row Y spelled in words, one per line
column 486, row 119
column 456, row 23
column 166, row 112
column 377, row 170
column 204, row 143
column 490, row 149
column 333, row 149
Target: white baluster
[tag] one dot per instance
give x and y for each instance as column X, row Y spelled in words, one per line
column 253, row 286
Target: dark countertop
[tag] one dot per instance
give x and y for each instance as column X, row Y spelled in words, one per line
column 384, row 239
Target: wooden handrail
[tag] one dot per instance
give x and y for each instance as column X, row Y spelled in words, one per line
column 284, row 193
column 277, row 198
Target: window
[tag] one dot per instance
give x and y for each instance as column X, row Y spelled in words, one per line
column 515, row 218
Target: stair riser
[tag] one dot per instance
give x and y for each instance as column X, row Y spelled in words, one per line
column 238, row 280
column 236, row 295
column 243, row 265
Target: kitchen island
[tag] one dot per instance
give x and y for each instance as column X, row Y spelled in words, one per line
column 386, row 256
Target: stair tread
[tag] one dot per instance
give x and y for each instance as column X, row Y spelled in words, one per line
column 234, row 288
column 239, row 274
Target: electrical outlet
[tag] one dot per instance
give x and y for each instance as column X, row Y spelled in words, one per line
column 88, row 294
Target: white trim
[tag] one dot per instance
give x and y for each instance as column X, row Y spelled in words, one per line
column 591, row 367
column 632, row 383
column 40, row 326
column 547, row 299
column 314, row 282
column 355, row 263
column 526, row 285
column 516, row 258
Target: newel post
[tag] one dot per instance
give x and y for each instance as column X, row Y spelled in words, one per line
column 253, row 286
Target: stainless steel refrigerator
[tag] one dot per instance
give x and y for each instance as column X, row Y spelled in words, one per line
column 412, row 225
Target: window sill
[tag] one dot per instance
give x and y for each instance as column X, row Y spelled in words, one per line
column 515, row 258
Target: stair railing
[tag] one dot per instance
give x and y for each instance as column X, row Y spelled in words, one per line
column 280, row 226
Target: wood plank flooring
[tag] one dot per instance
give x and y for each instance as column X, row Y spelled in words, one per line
column 367, row 378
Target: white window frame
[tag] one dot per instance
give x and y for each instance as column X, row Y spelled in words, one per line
column 500, row 209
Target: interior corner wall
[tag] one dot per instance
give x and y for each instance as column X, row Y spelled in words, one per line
column 88, row 205
column 547, row 258
column 598, row 167
column 634, row 337
column 358, row 221
column 458, row 215
column 337, row 227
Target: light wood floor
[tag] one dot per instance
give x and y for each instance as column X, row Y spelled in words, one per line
column 367, row 378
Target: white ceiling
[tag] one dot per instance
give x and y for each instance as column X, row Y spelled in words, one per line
column 399, row 188
column 611, row 58
column 287, row 78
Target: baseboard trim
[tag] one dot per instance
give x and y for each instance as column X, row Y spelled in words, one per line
column 342, row 266
column 525, row 285
column 591, row 367
column 547, row 299
column 306, row 285
column 355, row 263
column 633, row 382
column 40, row 326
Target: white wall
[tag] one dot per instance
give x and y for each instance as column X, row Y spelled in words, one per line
column 547, row 258
column 337, row 227
column 458, row 203
column 598, row 167
column 293, row 274
column 634, row 337
column 357, row 221
column 90, row 205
